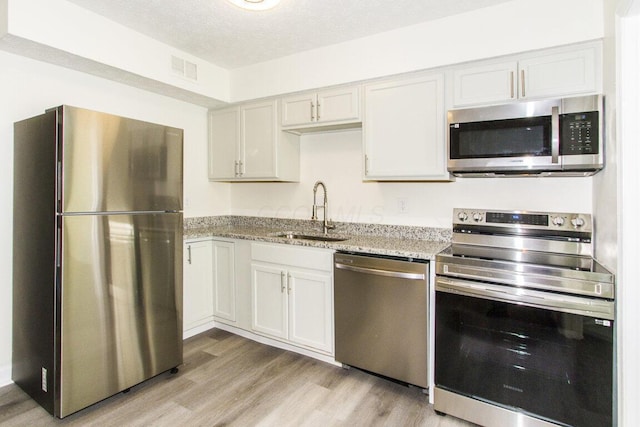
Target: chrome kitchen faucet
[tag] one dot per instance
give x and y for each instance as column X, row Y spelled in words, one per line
column 326, row 224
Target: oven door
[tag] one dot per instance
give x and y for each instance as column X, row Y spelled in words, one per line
column 538, row 354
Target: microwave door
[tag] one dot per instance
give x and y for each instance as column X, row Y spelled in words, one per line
column 511, row 145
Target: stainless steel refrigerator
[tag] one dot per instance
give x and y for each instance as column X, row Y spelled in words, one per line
column 97, row 255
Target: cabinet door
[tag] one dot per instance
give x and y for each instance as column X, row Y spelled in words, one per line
column 299, row 109
column 559, row 74
column 269, row 300
column 485, row 84
column 224, row 283
column 198, row 284
column 404, row 130
column 338, row 105
column 224, row 134
column 258, row 140
column 311, row 309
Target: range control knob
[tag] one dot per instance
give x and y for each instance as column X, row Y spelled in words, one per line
column 558, row 220
column 577, row 222
column 462, row 216
column 477, row 216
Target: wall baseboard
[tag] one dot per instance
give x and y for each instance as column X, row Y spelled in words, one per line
column 198, row 329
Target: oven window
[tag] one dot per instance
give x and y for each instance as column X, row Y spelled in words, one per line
column 501, row 138
column 553, row 365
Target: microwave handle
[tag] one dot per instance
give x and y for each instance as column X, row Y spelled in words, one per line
column 555, row 134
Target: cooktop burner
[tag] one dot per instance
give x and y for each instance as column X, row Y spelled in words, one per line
column 546, row 251
column 571, row 262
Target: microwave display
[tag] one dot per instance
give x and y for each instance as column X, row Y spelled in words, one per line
column 502, row 138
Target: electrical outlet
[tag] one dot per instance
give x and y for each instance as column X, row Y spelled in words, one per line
column 403, row 205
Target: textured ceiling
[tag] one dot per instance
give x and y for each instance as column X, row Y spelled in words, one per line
column 230, row 37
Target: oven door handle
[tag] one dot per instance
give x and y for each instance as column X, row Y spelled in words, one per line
column 590, row 307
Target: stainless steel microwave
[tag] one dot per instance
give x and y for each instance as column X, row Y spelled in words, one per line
column 539, row 138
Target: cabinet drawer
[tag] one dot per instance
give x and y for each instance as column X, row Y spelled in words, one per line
column 313, row 258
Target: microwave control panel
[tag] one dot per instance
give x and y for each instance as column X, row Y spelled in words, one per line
column 579, row 133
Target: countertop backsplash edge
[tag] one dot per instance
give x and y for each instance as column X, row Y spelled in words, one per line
column 350, row 228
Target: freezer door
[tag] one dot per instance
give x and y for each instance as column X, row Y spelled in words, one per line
column 121, row 303
column 114, row 164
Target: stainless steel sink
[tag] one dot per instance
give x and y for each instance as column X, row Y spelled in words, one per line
column 318, row 237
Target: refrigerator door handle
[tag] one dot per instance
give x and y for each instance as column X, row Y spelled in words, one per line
column 59, row 186
column 59, row 242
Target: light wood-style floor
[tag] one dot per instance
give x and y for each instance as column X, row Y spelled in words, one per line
column 227, row 380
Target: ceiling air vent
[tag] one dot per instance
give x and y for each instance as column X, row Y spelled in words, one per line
column 184, row 68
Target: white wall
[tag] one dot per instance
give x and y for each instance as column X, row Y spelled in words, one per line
column 61, row 32
column 628, row 188
column 507, row 28
column 28, row 87
column 605, row 207
column 336, row 158
column 4, row 17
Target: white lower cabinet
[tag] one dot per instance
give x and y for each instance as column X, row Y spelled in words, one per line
column 209, row 284
column 292, row 295
column 224, row 282
column 197, row 307
column 311, row 309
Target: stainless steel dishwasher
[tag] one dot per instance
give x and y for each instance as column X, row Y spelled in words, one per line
column 381, row 319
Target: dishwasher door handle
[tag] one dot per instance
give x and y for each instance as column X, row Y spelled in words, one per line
column 379, row 272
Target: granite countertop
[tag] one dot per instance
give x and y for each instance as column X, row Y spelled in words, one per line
column 404, row 241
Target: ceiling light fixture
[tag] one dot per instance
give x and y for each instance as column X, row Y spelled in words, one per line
column 255, row 4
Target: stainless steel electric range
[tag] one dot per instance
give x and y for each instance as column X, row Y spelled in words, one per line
column 524, row 321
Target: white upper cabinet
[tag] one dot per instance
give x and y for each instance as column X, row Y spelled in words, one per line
column 258, row 141
column 566, row 73
column 224, row 142
column 246, row 144
column 485, row 84
column 299, row 110
column 403, row 130
column 560, row 72
column 316, row 111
